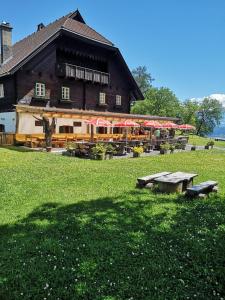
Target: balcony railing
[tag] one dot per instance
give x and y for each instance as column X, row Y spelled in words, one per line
column 80, row 73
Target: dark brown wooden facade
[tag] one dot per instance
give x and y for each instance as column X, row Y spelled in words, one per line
column 86, row 66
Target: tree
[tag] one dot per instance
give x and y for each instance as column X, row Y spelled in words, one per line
column 159, row 102
column 49, row 129
column 143, row 78
column 208, row 116
column 189, row 109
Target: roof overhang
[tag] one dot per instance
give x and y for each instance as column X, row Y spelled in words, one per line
column 85, row 114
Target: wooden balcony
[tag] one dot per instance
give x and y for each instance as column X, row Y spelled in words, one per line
column 80, row 73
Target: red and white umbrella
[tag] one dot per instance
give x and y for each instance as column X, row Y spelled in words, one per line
column 186, row 127
column 126, row 123
column 169, row 125
column 99, row 122
column 152, row 124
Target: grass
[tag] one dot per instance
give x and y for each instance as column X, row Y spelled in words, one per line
column 78, row 229
column 202, row 141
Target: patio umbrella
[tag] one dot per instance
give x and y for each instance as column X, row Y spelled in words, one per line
column 152, row 124
column 97, row 123
column 186, row 127
column 126, row 124
column 169, row 125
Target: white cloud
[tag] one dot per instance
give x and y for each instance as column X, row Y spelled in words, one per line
column 219, row 97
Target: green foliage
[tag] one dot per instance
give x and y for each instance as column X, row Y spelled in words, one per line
column 189, row 110
column 110, row 149
column 71, row 146
column 143, row 78
column 98, row 149
column 165, row 146
column 158, row 102
column 77, row 229
column 210, row 115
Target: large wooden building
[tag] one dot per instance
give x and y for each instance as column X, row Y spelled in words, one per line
column 65, row 66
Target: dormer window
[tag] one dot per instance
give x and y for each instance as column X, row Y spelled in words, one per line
column 101, row 98
column 65, row 93
column 118, row 100
column 40, row 89
column 2, row 95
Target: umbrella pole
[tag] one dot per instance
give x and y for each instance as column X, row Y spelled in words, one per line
column 92, row 133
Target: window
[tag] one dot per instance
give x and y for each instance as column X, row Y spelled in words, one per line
column 39, row 123
column 118, row 100
column 2, row 90
column 65, row 93
column 65, row 129
column 101, row 98
column 77, row 124
column 40, row 89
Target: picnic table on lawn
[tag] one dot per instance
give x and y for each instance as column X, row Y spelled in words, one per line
column 175, row 182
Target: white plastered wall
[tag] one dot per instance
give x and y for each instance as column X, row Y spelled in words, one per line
column 27, row 124
column 8, row 119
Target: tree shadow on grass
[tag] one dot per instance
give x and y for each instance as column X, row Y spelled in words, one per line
column 115, row 249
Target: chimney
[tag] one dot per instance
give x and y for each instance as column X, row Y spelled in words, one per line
column 5, row 41
column 40, row 26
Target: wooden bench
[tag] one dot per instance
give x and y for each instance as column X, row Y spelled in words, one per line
column 143, row 181
column 203, row 188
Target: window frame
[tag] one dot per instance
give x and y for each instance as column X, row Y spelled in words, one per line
column 41, row 93
column 2, row 91
column 100, row 100
column 64, row 91
column 118, row 100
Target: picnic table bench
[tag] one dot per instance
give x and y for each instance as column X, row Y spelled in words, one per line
column 202, row 188
column 175, row 182
column 143, row 181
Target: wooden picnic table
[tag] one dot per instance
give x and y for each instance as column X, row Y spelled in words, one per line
column 175, row 182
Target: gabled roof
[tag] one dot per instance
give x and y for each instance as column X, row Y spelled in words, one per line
column 23, row 49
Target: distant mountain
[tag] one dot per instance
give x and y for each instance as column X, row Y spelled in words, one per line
column 220, row 130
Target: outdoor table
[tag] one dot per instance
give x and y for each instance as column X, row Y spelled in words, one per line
column 175, row 182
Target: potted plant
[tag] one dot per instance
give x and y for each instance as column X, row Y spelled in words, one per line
column 98, row 152
column 172, row 148
column 70, row 148
column 110, row 151
column 193, row 147
column 207, row 146
column 211, row 143
column 164, row 148
column 137, row 151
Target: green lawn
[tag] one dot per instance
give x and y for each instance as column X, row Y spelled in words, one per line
column 202, row 141
column 78, row 229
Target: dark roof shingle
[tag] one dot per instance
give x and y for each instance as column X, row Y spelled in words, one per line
column 24, row 48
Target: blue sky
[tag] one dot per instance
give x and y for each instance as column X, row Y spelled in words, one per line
column 182, row 42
